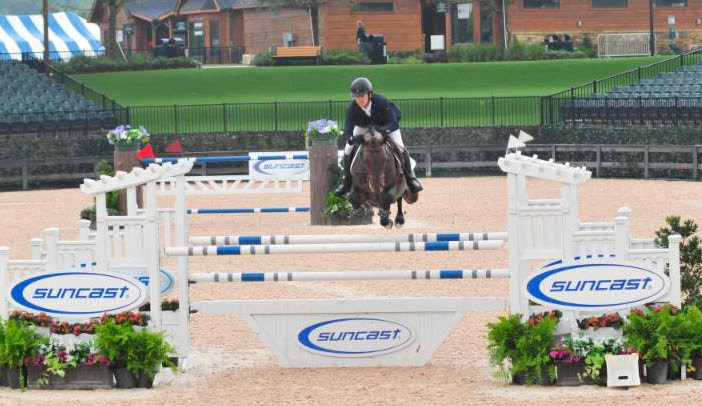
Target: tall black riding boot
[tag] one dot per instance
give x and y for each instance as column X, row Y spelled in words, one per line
column 412, row 182
column 346, row 185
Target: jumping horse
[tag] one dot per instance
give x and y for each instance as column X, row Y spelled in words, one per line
column 378, row 180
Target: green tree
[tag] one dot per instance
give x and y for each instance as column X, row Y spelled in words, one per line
column 690, row 254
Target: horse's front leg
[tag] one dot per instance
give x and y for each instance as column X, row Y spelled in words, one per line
column 400, row 216
column 357, row 203
column 384, row 211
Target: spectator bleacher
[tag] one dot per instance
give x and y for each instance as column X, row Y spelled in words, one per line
column 670, row 96
column 30, row 102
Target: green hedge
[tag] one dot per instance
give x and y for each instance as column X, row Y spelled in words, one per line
column 84, row 64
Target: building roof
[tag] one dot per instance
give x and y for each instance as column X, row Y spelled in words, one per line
column 193, row 5
column 152, row 9
column 234, row 4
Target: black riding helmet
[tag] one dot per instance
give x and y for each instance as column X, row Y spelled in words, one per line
column 361, row 86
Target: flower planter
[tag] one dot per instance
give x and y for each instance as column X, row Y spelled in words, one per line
column 12, row 376
column 144, row 381
column 603, row 333
column 656, row 372
column 367, row 218
column 43, row 331
column 124, row 379
column 567, row 373
column 321, row 140
column 80, row 377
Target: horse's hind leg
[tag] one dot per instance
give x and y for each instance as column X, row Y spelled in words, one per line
column 400, row 217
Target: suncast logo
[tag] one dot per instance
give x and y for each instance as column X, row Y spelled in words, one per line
column 275, row 167
column 84, row 294
column 597, row 284
column 355, row 337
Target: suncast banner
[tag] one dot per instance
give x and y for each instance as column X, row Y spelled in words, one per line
column 279, row 169
column 597, row 284
column 355, row 337
column 78, row 294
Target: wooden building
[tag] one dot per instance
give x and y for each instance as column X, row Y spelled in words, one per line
column 406, row 25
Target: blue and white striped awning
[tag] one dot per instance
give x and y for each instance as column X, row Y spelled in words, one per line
column 69, row 35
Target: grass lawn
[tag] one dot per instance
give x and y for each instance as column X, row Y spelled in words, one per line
column 317, row 83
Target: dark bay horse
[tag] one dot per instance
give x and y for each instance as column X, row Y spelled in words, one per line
column 378, row 180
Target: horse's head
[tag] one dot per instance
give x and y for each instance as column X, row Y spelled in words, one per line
column 373, row 139
column 375, row 157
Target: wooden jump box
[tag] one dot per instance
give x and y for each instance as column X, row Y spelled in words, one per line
column 301, row 52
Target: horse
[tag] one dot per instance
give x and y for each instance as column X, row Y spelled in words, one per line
column 378, row 180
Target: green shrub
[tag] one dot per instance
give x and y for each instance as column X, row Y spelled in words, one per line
column 344, row 57
column 690, row 255
column 263, row 59
column 84, row 64
column 587, row 47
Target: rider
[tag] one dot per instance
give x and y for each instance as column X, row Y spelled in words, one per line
column 373, row 110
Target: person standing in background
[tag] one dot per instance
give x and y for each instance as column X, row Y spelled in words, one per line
column 361, row 37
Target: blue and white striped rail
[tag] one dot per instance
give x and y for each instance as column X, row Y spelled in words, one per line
column 433, row 274
column 333, row 248
column 235, row 158
column 343, row 238
column 250, row 210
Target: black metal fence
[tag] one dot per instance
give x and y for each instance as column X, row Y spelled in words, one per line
column 575, row 106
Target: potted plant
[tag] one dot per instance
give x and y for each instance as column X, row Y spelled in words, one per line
column 655, row 332
column 114, row 340
column 567, row 364
column 147, row 352
column 322, row 131
column 20, row 342
column 691, row 340
column 526, row 345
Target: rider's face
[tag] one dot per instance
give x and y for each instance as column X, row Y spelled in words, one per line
column 363, row 100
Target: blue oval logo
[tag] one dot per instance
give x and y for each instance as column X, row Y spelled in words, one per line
column 355, row 337
column 278, row 167
column 596, row 285
column 85, row 294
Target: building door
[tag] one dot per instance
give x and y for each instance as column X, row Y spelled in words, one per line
column 434, row 26
column 196, row 38
column 486, row 26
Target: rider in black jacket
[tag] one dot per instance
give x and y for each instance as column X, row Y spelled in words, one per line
column 373, row 110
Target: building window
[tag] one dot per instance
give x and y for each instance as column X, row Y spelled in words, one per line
column 374, row 6
column 462, row 23
column 541, row 3
column 670, row 3
column 609, row 3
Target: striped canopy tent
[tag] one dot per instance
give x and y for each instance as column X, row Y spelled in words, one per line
column 69, row 35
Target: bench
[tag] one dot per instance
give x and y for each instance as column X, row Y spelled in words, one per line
column 301, row 52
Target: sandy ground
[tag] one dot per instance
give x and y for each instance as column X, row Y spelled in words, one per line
column 236, row 369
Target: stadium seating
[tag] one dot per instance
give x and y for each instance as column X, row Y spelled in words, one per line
column 30, row 102
column 668, row 97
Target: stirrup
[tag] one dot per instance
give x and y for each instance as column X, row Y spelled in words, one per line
column 342, row 190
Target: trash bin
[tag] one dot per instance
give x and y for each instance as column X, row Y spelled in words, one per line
column 378, row 49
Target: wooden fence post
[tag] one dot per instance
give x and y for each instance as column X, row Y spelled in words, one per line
column 321, row 155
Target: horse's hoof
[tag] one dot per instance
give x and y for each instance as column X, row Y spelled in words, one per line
column 399, row 224
column 388, row 226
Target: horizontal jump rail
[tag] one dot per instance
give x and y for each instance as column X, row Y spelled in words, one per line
column 343, row 238
column 333, row 248
column 233, row 158
column 250, row 210
column 432, row 274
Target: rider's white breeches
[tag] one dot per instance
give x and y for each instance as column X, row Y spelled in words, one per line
column 395, row 136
